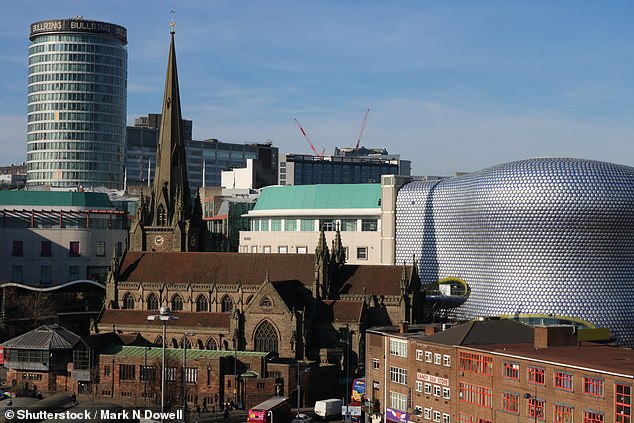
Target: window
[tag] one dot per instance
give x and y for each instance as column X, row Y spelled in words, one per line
column 73, row 249
column 201, row 303
column 128, row 301
column 419, row 355
column 562, row 413
column 18, row 250
column 267, row 249
column 16, row 274
column 170, row 373
column 536, row 376
column 446, row 393
column 446, row 360
column 446, row 418
column 419, row 386
column 511, row 402
column 348, row 225
column 475, row 394
column 177, row 303
column 369, row 225
column 428, row 356
column 511, row 370
column 476, row 363
column 254, row 249
column 398, row 375
column 46, row 249
column 398, row 347
column 290, row 225
column 282, row 249
column 362, row 253
column 465, row 418
column 126, row 371
column 563, row 380
column 73, row 273
column 147, row 373
column 276, row 225
column 100, row 249
column 623, row 403
column 436, row 390
column 593, row 386
column 152, row 302
column 45, row 274
column 592, row 417
column 306, row 225
column 191, row 375
column 226, row 304
column 376, row 364
column 427, row 388
column 264, row 225
column 266, row 338
column 327, row 224
column 437, row 359
column 106, row 370
column 427, row 413
column 398, row 400
column 302, row 250
column 536, row 408
column 436, row 416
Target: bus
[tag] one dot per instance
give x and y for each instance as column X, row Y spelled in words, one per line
column 273, row 410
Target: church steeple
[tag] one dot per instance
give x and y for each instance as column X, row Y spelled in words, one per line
column 170, row 175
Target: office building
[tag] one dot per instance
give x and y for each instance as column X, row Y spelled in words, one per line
column 539, row 239
column 77, row 94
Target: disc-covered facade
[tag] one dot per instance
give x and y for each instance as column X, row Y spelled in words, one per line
column 538, row 236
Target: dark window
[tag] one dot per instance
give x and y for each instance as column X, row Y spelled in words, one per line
column 148, row 373
column 227, row 304
column 211, row 344
column 100, row 249
column 201, row 303
column 177, row 303
column 152, row 302
column 47, row 249
column 266, row 338
column 16, row 273
column 126, row 371
column 128, row 301
column 73, row 249
column 18, row 250
column 45, row 274
column 362, row 253
column 369, row 225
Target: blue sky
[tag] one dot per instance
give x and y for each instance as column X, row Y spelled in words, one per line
column 452, row 86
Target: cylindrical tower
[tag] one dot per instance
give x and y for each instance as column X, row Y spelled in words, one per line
column 77, row 104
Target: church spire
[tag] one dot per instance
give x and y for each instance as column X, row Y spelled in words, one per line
column 170, row 175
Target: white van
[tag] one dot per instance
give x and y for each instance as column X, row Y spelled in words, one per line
column 329, row 408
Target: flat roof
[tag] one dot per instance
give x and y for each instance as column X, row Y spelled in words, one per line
column 321, row 196
column 55, row 199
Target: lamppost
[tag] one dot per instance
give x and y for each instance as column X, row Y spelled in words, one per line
column 298, row 391
column 145, row 371
column 533, row 397
column 164, row 315
column 346, row 342
column 185, row 340
column 236, row 340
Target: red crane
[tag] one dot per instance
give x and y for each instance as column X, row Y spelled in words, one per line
column 360, row 135
column 309, row 141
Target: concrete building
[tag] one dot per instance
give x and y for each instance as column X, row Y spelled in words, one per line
column 286, row 220
column 300, row 169
column 205, row 159
column 51, row 238
column 539, row 239
column 496, row 371
column 77, row 104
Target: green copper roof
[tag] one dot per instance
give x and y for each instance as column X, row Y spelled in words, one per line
column 177, row 353
column 324, row 196
column 55, row 198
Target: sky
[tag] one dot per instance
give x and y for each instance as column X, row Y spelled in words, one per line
column 451, row 86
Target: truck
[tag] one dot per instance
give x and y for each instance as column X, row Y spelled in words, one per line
column 328, row 408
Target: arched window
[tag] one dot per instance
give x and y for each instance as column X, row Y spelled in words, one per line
column 162, row 217
column 174, row 343
column 158, row 341
column 211, row 344
column 227, row 304
column 128, row 301
column 266, row 302
column 186, row 340
column 201, row 303
column 266, row 338
column 152, row 302
column 177, row 303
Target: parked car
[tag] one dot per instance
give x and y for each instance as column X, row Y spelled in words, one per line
column 303, row 418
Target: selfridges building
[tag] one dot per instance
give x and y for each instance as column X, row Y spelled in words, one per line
column 539, row 237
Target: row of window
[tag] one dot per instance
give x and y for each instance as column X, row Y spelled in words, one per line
column 176, row 303
column 435, row 415
column 127, row 372
column 435, row 390
column 46, row 248
column 87, row 68
column 113, row 145
column 78, row 57
column 436, row 358
column 78, row 116
column 362, row 252
column 95, row 273
column 313, row 225
column 77, row 126
column 62, row 96
column 59, row 220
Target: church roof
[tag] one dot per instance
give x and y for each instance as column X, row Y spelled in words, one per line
column 138, row 318
column 340, row 311
column 222, row 268
column 293, row 293
column 321, row 196
column 368, row 279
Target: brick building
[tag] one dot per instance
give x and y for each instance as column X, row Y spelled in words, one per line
column 497, row 371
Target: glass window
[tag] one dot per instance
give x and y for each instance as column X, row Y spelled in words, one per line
column 511, row 402
column 100, row 249
column 592, row 417
column 511, row 370
column 16, row 273
column 563, row 380
column 362, row 253
column 536, row 376
column 290, row 225
column 18, row 250
column 307, row 225
column 369, row 225
column 593, row 386
column 276, row 225
column 348, row 225
column 73, row 249
column 398, row 375
column 327, row 224
column 302, row 250
column 282, row 249
column 623, row 403
column 536, row 408
column 46, row 249
column 73, row 273
column 264, row 225
column 45, row 274
column 446, row 360
column 398, row 347
column 267, row 249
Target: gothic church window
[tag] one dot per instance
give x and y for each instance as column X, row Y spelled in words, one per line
column 128, row 301
column 227, row 304
column 211, row 344
column 177, row 303
column 201, row 303
column 162, row 216
column 266, row 338
column 152, row 302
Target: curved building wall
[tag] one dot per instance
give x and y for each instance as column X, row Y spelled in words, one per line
column 537, row 236
column 77, row 94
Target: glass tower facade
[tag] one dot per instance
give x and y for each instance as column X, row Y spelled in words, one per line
column 77, row 95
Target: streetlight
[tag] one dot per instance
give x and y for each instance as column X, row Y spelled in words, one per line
column 533, row 397
column 164, row 315
column 145, row 371
column 347, row 341
column 185, row 335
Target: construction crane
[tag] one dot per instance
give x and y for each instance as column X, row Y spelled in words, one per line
column 361, row 129
column 309, row 141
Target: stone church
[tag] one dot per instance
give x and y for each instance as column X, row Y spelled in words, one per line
column 299, row 306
